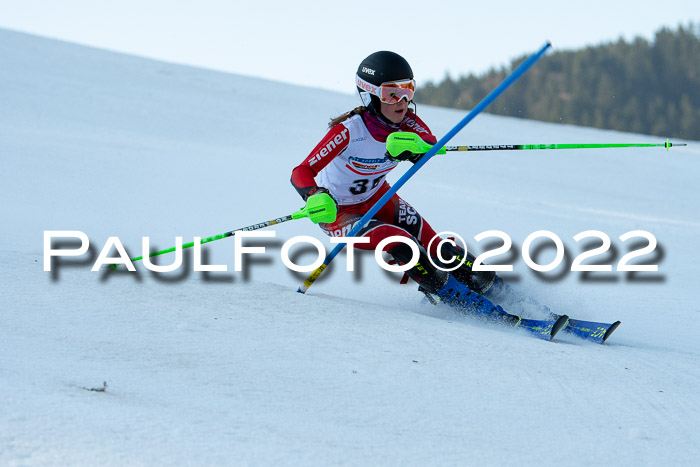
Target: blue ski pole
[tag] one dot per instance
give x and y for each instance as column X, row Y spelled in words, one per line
column 517, row 73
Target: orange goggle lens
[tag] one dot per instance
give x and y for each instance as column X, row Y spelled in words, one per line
column 391, row 93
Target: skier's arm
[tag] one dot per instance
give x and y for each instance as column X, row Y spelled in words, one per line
column 332, row 145
column 303, row 181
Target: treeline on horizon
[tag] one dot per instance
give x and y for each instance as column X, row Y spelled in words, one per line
column 640, row 86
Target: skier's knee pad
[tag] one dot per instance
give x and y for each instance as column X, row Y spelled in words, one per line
column 478, row 281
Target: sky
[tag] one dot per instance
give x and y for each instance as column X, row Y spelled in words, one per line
column 320, row 44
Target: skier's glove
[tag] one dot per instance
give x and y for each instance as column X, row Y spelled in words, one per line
column 320, row 206
column 407, row 146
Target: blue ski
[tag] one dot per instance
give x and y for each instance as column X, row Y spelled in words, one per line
column 590, row 330
column 544, row 329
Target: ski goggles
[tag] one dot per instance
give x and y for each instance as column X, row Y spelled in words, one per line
column 390, row 92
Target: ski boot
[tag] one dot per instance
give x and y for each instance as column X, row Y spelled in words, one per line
column 458, row 295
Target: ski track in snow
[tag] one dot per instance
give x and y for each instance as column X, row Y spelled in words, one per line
column 236, row 367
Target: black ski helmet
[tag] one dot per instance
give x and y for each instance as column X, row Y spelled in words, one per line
column 381, row 67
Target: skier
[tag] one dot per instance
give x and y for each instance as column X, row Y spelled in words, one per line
column 348, row 168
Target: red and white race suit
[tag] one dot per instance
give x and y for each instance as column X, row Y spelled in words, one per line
column 350, row 162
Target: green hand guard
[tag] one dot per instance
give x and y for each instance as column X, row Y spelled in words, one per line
column 404, row 141
column 319, row 208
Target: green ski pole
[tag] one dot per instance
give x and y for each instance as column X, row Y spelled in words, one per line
column 505, row 147
column 400, row 142
column 318, row 211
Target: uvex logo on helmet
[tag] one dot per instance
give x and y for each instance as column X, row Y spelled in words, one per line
column 365, row 86
column 369, row 71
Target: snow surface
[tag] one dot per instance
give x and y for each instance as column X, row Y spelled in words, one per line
column 237, row 368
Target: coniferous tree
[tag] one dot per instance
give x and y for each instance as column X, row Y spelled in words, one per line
column 639, row 86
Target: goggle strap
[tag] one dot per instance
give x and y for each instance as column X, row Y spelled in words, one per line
column 366, row 86
column 374, row 90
